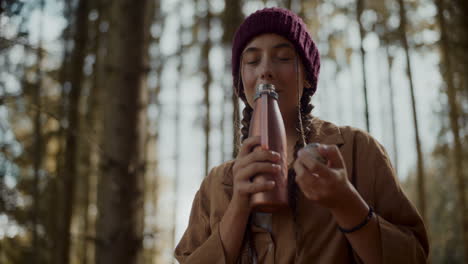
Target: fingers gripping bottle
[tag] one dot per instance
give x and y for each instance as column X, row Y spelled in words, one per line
column 267, row 123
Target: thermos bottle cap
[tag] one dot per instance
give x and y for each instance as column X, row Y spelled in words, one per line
column 266, row 88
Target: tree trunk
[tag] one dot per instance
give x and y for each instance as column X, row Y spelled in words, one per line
column 38, row 142
column 121, row 188
column 151, row 174
column 90, row 136
column 56, row 199
column 177, row 138
column 70, row 166
column 206, row 85
column 463, row 7
column 392, row 109
column 301, row 10
column 447, row 74
column 359, row 10
column 420, row 179
column 232, row 17
column 154, row 194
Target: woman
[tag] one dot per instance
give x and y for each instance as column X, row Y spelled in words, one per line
column 350, row 210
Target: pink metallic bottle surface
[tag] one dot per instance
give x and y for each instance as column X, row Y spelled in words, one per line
column 267, row 123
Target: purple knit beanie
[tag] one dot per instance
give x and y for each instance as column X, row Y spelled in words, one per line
column 284, row 23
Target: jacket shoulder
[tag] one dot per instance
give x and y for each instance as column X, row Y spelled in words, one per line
column 361, row 139
column 221, row 174
column 218, row 176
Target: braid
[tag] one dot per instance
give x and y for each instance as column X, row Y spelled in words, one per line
column 306, row 114
column 247, row 111
column 246, row 116
column 305, row 130
column 249, row 249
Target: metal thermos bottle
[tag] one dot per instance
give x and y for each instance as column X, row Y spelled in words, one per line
column 267, row 123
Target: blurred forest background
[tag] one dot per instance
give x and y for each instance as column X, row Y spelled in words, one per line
column 112, row 112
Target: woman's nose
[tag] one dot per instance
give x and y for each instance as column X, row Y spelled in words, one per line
column 266, row 72
column 266, row 75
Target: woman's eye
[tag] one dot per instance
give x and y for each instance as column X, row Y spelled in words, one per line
column 284, row 59
column 251, row 62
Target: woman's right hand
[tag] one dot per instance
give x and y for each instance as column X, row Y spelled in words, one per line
column 248, row 164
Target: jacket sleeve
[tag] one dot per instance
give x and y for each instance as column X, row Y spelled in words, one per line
column 402, row 231
column 201, row 243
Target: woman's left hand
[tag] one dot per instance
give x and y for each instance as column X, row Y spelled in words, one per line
column 327, row 184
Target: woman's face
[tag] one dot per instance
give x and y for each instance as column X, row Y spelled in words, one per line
column 271, row 58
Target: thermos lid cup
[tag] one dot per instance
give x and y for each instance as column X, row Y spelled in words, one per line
column 312, row 149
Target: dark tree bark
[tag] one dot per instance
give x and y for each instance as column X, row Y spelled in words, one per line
column 90, row 136
column 421, row 190
column 392, row 109
column 388, row 39
column 359, row 10
column 177, row 138
column 451, row 90
column 56, row 199
column 301, row 10
column 205, row 62
column 231, row 18
column 121, row 187
column 154, row 193
column 38, row 142
column 70, row 166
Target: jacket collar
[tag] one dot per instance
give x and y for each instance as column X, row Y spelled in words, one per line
column 323, row 132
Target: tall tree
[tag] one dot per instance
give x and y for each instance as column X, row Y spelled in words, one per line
column 231, row 19
column 90, row 133
column 205, row 62
column 462, row 7
column 390, row 37
column 301, row 9
column 451, row 91
column 55, row 182
column 392, row 107
column 121, row 188
column 153, row 177
column 359, row 10
column 151, row 174
column 177, row 137
column 421, row 190
column 71, row 134
column 38, row 142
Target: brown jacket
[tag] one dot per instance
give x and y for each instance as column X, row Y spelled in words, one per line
column 403, row 235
